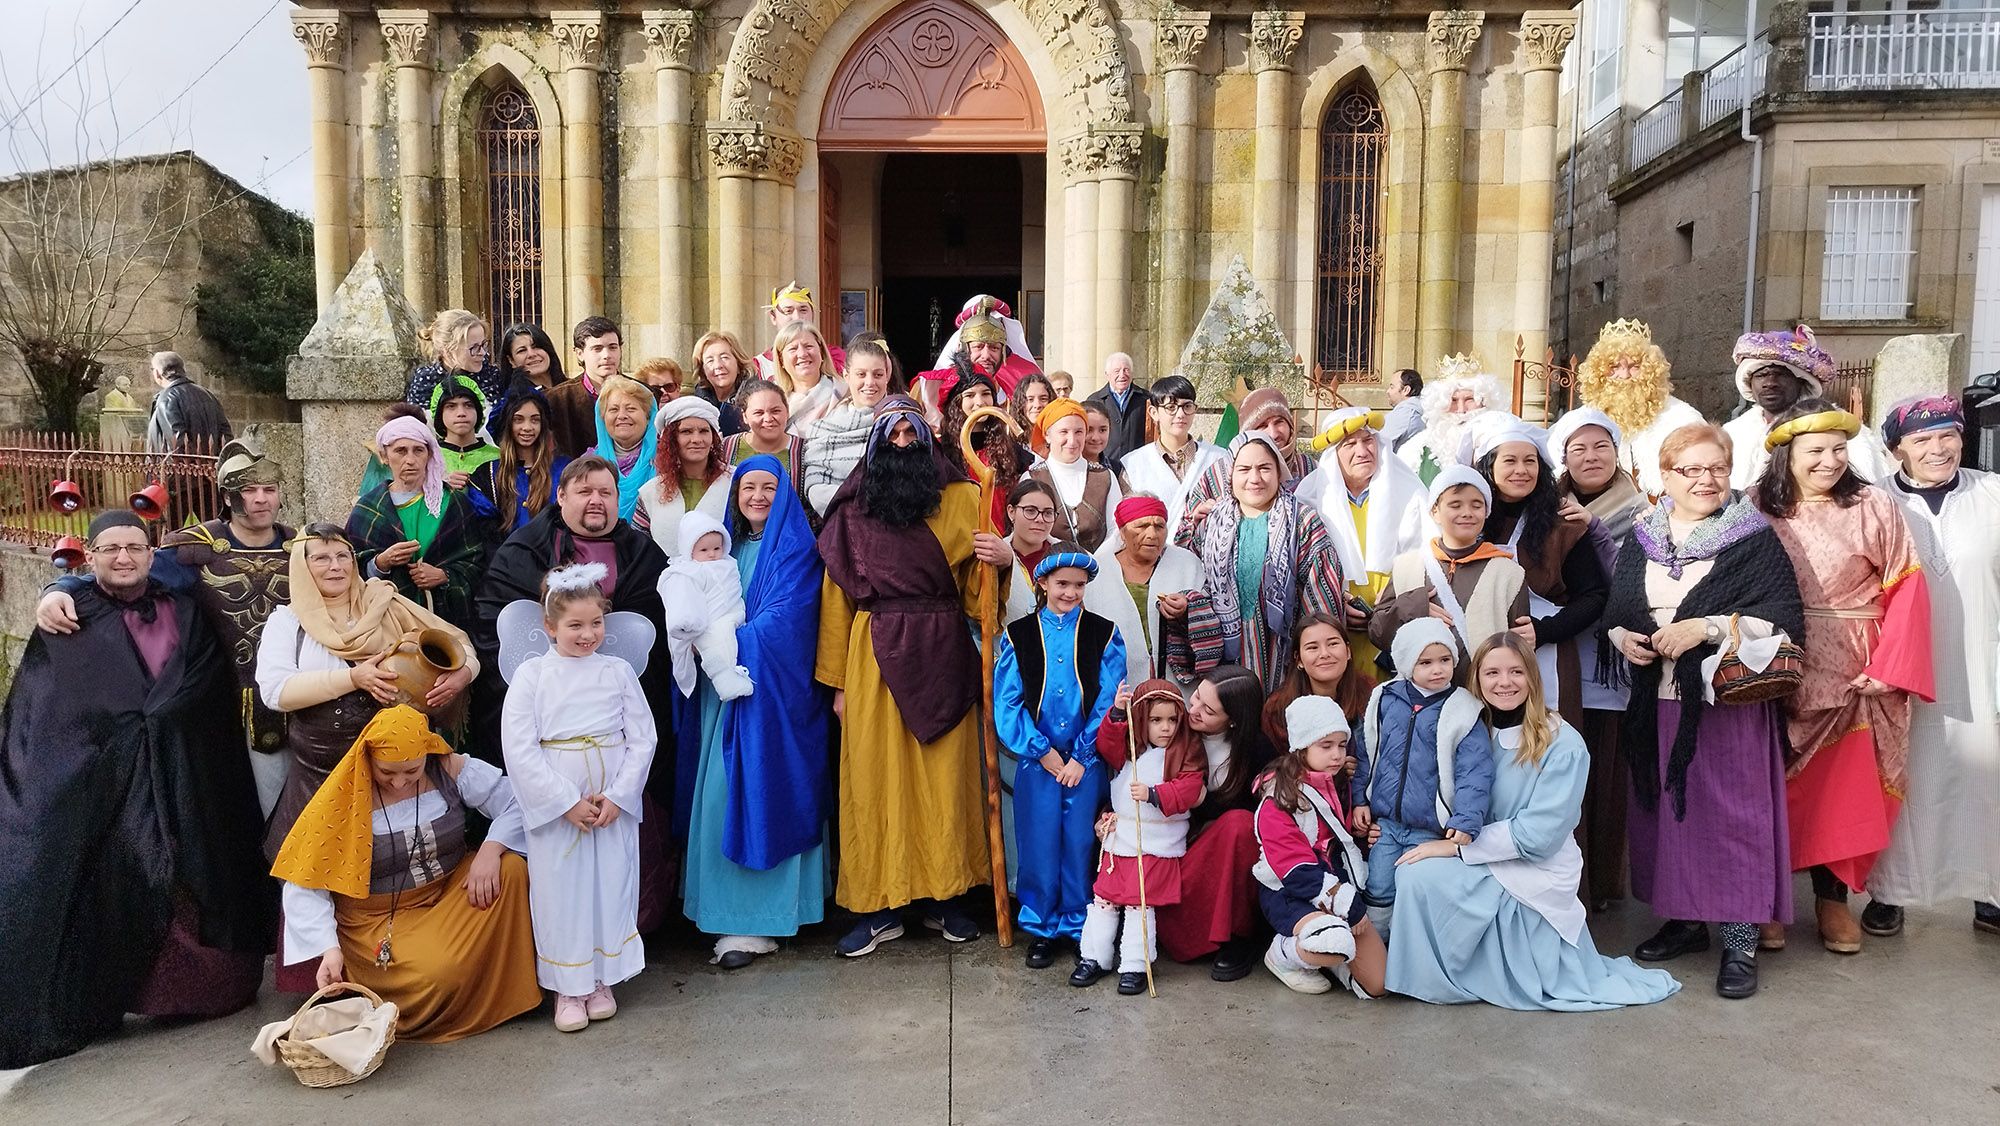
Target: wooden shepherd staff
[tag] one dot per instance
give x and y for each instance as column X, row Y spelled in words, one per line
column 1139, row 853
column 989, row 632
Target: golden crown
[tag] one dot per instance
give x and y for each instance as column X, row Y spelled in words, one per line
column 1626, row 333
column 1460, row 366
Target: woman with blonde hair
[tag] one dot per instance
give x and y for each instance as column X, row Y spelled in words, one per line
column 806, row 371
column 457, row 343
column 721, row 368
column 625, row 436
column 1498, row 920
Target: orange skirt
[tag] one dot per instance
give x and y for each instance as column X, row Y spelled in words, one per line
column 455, row 971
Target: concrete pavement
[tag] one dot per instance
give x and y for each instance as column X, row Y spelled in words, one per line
column 923, row 1032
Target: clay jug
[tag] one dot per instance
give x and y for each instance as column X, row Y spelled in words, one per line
column 419, row 660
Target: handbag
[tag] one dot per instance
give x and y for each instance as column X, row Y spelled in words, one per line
column 1738, row 683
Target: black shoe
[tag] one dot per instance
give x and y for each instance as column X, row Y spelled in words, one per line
column 735, row 959
column 869, row 932
column 1041, row 953
column 1882, row 919
column 1678, row 937
column 1087, row 973
column 955, row 925
column 1986, row 917
column 1131, row 985
column 1233, row 961
column 1737, row 978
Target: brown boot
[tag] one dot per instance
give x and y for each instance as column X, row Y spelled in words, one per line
column 1770, row 936
column 1838, row 931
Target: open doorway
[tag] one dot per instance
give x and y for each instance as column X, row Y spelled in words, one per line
column 951, row 227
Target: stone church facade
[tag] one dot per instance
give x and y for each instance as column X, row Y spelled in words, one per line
column 1385, row 169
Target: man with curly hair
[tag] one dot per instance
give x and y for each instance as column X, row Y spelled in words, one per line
column 1628, row 378
column 1453, row 401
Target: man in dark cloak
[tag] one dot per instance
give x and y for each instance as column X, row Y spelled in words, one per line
column 128, row 818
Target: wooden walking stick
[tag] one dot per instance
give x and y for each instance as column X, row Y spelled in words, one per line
column 1139, row 852
column 989, row 631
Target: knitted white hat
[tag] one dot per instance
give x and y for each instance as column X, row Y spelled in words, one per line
column 1309, row 719
column 1575, row 420
column 1452, row 477
column 1415, row 637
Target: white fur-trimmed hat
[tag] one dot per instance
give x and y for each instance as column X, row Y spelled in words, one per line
column 1574, row 420
column 1415, row 637
column 1309, row 719
column 1451, row 477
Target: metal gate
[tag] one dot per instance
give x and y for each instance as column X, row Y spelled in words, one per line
column 1348, row 256
column 510, row 139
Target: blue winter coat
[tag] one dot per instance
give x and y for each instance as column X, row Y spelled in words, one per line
column 1402, row 764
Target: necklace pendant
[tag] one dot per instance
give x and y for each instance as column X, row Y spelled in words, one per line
column 382, row 954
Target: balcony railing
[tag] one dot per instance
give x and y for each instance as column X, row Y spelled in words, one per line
column 1721, row 90
column 1947, row 50
column 1655, row 131
column 1736, row 78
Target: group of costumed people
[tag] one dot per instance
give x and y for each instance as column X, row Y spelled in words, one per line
column 1387, row 704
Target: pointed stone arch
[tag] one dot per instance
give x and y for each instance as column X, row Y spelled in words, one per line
column 467, row 90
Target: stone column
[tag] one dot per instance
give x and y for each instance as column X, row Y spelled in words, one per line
column 670, row 39
column 408, row 36
column 1118, row 149
column 581, row 36
column 1181, row 37
column 757, row 166
column 1079, row 271
column 1544, row 37
column 1451, row 37
column 1274, row 40
column 323, row 33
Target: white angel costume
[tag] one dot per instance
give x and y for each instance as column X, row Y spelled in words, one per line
column 573, row 728
column 704, row 604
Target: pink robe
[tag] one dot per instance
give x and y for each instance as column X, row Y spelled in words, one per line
column 1868, row 611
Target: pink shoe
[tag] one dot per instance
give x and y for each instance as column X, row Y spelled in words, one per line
column 571, row 1015
column 601, row 1005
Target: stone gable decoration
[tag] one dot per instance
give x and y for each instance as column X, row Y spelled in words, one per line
column 938, row 70
column 1238, row 342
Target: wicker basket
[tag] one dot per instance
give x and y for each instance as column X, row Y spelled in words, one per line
column 1737, row 683
column 309, row 1064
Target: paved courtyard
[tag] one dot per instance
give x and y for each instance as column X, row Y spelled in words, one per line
column 925, row 1033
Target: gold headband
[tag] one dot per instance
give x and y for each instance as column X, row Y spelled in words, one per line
column 793, row 291
column 1824, row 422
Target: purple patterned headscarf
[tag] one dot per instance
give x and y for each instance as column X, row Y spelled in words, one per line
column 1922, row 412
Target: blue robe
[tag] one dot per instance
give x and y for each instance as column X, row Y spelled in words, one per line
column 1054, row 824
column 1462, row 937
column 756, row 784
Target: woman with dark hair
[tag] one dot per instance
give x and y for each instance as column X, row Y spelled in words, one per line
column 688, row 461
column 1033, row 393
column 1217, row 913
column 1173, row 460
column 526, row 352
column 1548, row 536
column 516, row 485
column 1008, row 459
column 1325, row 667
column 458, row 416
column 1867, row 650
column 1029, row 524
column 1097, row 440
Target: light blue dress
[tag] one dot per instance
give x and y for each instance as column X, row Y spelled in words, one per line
column 720, row 895
column 1461, row 936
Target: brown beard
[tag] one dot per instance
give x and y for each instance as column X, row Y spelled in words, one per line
column 1632, row 403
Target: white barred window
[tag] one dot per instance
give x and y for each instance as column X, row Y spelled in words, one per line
column 1868, row 272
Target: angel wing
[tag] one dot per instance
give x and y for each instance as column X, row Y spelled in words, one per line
column 627, row 636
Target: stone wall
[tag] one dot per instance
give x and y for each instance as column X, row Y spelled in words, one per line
column 23, row 573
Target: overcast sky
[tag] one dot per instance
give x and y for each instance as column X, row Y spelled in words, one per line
column 247, row 116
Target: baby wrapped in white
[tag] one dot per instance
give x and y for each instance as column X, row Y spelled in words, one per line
column 704, row 604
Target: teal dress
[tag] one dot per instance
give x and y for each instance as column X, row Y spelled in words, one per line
column 1253, row 550
column 1461, row 936
column 721, row 896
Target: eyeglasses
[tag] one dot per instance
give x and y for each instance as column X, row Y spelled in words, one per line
column 478, row 349
column 1177, row 408
column 116, row 549
column 1697, row 472
column 1037, row 514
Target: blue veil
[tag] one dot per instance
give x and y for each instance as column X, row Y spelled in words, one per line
column 642, row 470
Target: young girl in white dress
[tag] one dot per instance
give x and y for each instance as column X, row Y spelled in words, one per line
column 579, row 740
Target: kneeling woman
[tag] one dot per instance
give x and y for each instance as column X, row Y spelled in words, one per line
column 378, row 878
column 1498, row 920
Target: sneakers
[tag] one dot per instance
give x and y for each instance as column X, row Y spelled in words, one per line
column 870, row 932
column 1297, row 976
column 954, row 924
column 600, row 1005
column 571, row 1014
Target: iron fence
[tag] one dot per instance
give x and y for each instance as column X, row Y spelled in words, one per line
column 35, row 463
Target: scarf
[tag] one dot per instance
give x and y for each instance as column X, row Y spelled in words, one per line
column 332, row 844
column 1752, row 576
column 1218, row 566
column 1617, row 506
column 382, row 617
column 403, row 426
column 640, row 471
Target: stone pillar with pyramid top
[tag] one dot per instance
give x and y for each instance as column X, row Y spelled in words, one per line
column 357, row 358
column 1237, row 347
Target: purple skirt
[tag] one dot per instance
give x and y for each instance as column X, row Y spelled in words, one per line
column 1729, row 861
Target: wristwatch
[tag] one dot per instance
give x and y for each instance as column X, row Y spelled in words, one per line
column 1713, row 632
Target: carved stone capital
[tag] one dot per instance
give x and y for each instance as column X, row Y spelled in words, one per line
column 670, row 38
column 1274, row 39
column 407, row 34
column 1181, row 36
column 323, row 33
column 1544, row 38
column 748, row 148
column 1100, row 151
column 581, row 36
column 1451, row 37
